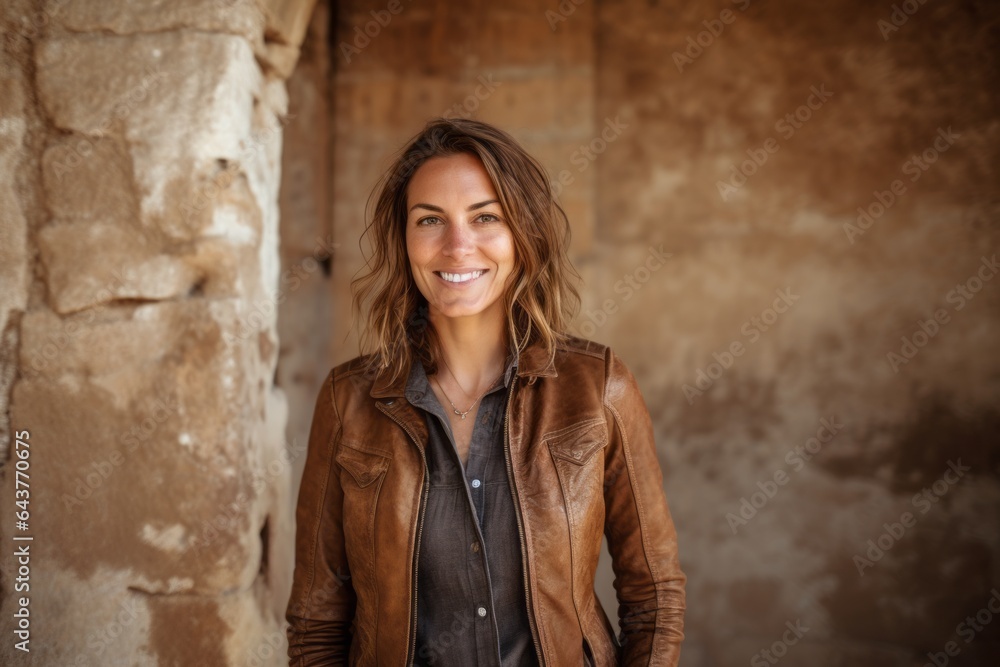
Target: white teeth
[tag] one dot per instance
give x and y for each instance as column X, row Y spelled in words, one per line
column 460, row 277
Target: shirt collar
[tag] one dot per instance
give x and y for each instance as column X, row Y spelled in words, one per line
column 531, row 363
column 418, row 384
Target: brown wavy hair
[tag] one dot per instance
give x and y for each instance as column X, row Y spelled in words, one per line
column 540, row 300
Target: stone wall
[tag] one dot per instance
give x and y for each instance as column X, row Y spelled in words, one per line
column 141, row 149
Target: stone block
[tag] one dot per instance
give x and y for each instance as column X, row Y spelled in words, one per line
column 89, row 178
column 169, row 455
column 238, row 17
column 181, row 130
column 88, row 263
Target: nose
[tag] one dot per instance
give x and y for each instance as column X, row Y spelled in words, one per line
column 459, row 239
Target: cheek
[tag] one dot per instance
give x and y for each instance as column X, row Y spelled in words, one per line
column 417, row 250
column 502, row 250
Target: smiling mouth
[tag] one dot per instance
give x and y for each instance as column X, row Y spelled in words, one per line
column 460, row 278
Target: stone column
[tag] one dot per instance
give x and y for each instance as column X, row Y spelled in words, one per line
column 139, row 170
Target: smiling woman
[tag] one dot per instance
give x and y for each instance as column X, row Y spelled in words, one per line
column 470, row 534
column 464, row 196
column 461, row 256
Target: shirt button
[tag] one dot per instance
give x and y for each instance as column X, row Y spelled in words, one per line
column 476, row 483
column 475, row 547
column 482, row 611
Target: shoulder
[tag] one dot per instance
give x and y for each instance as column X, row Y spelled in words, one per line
column 576, row 349
column 353, row 374
column 346, row 381
column 576, row 357
column 579, row 355
column 576, row 352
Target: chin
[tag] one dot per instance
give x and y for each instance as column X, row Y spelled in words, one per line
column 465, row 310
column 458, row 311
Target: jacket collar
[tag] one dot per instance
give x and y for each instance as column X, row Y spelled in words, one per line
column 532, row 362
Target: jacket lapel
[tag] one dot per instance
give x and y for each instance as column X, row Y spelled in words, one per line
column 531, row 363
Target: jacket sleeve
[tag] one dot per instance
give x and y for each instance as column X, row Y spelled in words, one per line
column 321, row 607
column 642, row 541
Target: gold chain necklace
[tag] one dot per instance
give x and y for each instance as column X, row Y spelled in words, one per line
column 457, row 411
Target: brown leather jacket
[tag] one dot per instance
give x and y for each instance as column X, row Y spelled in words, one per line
column 582, row 462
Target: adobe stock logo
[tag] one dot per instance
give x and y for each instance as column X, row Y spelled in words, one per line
column 705, row 377
column 960, row 296
column 381, row 18
column 967, row 630
column 779, row 649
column 914, row 167
column 714, row 28
column 786, row 127
column 796, row 458
column 898, row 17
column 629, row 284
column 878, row 547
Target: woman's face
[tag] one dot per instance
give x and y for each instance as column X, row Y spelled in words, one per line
column 460, row 246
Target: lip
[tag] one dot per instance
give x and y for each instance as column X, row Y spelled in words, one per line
column 467, row 282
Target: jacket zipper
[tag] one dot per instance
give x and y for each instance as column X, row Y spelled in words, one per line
column 520, row 525
column 420, row 529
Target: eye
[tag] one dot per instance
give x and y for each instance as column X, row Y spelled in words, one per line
column 489, row 217
column 421, row 221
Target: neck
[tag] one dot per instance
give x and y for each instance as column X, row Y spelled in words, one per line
column 474, row 349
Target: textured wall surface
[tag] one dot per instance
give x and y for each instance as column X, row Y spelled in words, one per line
column 141, row 152
column 786, row 221
column 818, row 378
column 815, row 375
column 308, row 248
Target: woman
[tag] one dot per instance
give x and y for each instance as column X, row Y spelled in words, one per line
column 460, row 476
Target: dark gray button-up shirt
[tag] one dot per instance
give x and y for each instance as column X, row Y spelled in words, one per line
column 471, row 607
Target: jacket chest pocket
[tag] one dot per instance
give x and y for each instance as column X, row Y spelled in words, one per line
column 361, row 475
column 577, row 444
column 577, row 453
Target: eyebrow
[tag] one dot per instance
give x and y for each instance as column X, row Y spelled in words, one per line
column 431, row 207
